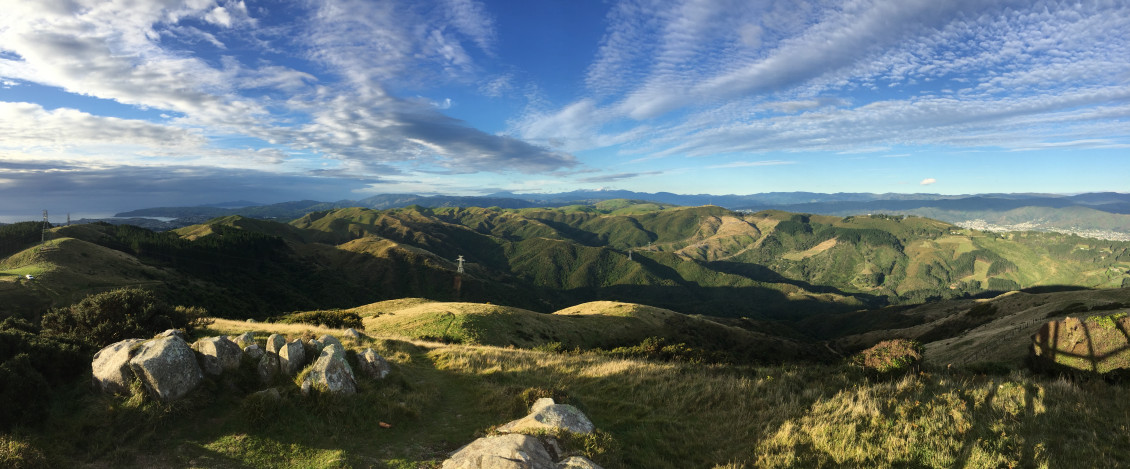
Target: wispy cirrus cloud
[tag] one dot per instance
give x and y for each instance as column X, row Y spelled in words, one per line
column 702, row 78
column 218, row 76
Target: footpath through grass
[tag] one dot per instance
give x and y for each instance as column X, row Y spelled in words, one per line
column 648, row 414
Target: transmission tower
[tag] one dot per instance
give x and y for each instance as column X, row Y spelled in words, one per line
column 460, row 259
column 43, row 232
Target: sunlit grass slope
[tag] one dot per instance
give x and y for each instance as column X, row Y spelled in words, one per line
column 648, row 414
column 596, row 325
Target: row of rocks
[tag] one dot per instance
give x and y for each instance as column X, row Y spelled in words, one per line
column 515, row 449
column 170, row 368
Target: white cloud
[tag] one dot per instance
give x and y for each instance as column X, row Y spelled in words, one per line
column 28, row 125
column 219, row 16
column 928, row 181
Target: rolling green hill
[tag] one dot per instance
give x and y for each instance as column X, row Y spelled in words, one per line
column 596, row 325
column 697, row 260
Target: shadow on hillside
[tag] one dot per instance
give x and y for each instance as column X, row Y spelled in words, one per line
column 761, row 273
column 1098, row 346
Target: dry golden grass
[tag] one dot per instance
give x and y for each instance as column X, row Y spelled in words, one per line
column 674, row 415
column 235, row 327
column 817, row 249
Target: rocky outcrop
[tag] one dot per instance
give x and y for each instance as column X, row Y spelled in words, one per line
column 268, row 367
column 502, row 452
column 245, row 339
column 111, row 367
column 373, row 365
column 545, row 415
column 170, row 333
column 328, row 340
column 330, row 373
column 275, row 343
column 1095, row 345
column 517, row 450
column 254, row 352
column 353, row 334
column 167, row 366
column 314, row 347
column 218, row 354
column 292, row 357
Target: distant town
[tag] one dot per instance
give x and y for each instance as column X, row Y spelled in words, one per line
column 1035, row 226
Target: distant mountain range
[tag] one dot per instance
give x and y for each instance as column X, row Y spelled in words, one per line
column 1091, row 214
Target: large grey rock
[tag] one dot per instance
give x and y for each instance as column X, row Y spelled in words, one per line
column 170, row 333
column 334, row 350
column 292, row 357
column 501, row 452
column 218, row 354
column 275, row 343
column 245, row 339
column 330, row 373
column 167, row 366
column 353, row 334
column 314, row 347
column 268, row 367
column 577, row 462
column 328, row 340
column 547, row 416
column 254, row 352
column 111, row 367
column 372, row 364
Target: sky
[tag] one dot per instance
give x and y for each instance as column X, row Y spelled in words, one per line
column 111, row 105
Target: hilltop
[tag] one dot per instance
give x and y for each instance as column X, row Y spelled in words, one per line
column 601, row 325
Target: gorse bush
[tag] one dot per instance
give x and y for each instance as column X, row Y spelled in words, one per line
column 331, row 318
column 30, row 367
column 890, row 357
column 109, row 317
column 657, row 348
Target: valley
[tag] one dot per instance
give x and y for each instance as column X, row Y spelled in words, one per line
column 692, row 336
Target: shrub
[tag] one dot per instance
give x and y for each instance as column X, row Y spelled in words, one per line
column 23, row 392
column 656, row 348
column 333, row 318
column 890, row 357
column 30, row 367
column 109, row 317
column 18, row 454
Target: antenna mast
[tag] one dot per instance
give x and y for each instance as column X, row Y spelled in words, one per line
column 460, row 259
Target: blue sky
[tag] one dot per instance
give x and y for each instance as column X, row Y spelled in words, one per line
column 109, row 105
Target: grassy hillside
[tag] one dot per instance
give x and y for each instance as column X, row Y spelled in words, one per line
column 647, row 414
column 598, row 325
column 64, row 271
column 699, row 260
column 964, row 332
